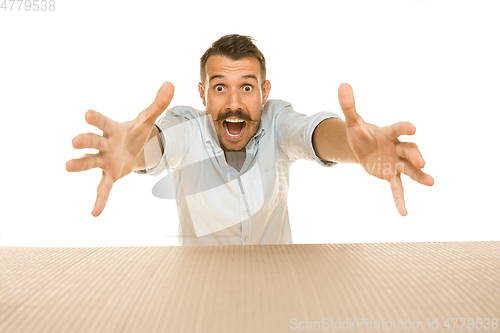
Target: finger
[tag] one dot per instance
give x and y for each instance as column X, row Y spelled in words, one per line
column 90, row 140
column 409, row 151
column 398, row 129
column 397, row 194
column 161, row 102
column 100, row 121
column 415, row 173
column 88, row 161
column 346, row 101
column 103, row 191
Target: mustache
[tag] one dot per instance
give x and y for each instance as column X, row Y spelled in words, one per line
column 238, row 113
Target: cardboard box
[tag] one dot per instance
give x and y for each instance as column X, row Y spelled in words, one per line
column 256, row 288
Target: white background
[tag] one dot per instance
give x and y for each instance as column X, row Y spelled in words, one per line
column 434, row 63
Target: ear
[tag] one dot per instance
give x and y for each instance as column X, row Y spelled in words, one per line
column 265, row 91
column 202, row 93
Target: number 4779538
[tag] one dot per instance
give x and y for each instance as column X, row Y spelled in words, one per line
column 477, row 323
column 29, row 5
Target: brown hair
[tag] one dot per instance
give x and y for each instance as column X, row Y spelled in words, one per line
column 234, row 47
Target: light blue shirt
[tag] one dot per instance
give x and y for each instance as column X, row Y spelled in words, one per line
column 218, row 205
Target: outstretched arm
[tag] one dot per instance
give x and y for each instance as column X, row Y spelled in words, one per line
column 330, row 141
column 377, row 149
column 150, row 155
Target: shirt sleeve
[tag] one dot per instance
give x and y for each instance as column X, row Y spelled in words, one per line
column 295, row 130
column 176, row 134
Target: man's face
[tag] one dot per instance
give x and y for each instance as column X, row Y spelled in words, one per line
column 233, row 96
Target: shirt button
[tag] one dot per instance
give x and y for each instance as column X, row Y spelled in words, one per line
column 246, row 239
column 245, row 213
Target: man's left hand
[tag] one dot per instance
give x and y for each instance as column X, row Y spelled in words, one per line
column 380, row 152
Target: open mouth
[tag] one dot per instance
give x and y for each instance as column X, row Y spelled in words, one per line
column 234, row 128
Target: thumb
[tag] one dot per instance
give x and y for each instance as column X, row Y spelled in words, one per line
column 161, row 102
column 346, row 100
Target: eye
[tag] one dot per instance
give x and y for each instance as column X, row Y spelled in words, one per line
column 219, row 88
column 247, row 88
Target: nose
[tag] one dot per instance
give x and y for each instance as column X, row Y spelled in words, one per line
column 234, row 101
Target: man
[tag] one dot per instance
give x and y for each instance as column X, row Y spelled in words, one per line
column 231, row 162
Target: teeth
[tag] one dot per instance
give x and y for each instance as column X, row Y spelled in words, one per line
column 235, row 120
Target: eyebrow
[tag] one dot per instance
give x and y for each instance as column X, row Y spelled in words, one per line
column 219, row 76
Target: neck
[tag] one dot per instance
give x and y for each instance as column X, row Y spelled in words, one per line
column 235, row 158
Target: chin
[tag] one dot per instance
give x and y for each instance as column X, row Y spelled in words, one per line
column 234, row 146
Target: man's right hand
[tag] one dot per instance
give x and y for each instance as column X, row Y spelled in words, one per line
column 119, row 145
